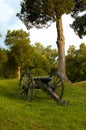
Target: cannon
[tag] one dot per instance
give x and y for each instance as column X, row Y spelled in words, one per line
column 52, row 85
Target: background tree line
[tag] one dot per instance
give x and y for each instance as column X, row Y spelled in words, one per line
column 40, row 60
column 21, row 55
column 76, row 63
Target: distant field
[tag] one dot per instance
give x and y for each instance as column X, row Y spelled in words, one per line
column 42, row 113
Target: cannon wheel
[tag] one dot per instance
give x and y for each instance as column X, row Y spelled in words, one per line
column 57, row 84
column 26, row 86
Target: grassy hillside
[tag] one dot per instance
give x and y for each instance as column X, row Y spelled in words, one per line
column 42, row 113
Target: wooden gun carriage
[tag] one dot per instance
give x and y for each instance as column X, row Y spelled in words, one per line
column 53, row 85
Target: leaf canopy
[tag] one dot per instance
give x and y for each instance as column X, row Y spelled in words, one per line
column 39, row 13
column 17, row 37
column 79, row 14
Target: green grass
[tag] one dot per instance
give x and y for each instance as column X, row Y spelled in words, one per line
column 42, row 113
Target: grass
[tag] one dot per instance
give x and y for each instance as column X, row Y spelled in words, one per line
column 42, row 113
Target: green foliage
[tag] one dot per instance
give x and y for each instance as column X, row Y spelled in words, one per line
column 42, row 113
column 3, row 55
column 19, row 45
column 71, row 51
column 79, row 23
column 3, row 60
column 41, row 13
column 76, row 63
column 9, row 67
column 19, row 48
column 50, row 54
column 16, row 36
column 39, row 47
column 79, row 26
column 38, row 72
column 40, row 61
column 43, row 60
column 21, row 53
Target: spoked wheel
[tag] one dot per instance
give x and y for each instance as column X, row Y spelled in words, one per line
column 26, row 86
column 57, row 84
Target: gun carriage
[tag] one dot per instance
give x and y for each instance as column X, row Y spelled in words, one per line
column 52, row 85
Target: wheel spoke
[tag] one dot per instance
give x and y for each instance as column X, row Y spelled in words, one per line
column 26, row 86
column 57, row 84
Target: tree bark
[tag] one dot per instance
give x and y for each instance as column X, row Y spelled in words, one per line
column 61, row 49
column 18, row 72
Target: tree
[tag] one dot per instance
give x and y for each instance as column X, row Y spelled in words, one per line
column 41, row 65
column 20, row 50
column 40, row 13
column 39, row 47
column 3, row 60
column 3, row 56
column 79, row 24
column 72, row 64
column 71, row 51
column 76, row 63
column 82, row 62
column 50, row 54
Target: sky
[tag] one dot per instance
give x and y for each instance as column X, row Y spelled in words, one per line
column 9, row 21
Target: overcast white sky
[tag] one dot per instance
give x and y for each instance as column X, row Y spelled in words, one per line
column 8, row 20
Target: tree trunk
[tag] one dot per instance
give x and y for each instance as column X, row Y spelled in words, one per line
column 18, row 72
column 61, row 49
